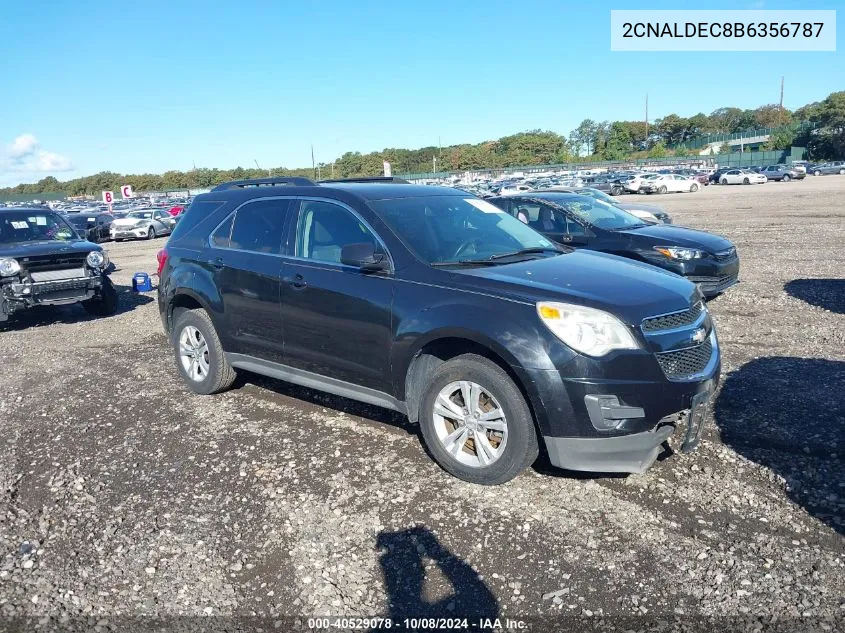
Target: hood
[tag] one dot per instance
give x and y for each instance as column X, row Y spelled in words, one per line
column 47, row 247
column 129, row 221
column 673, row 235
column 628, row 289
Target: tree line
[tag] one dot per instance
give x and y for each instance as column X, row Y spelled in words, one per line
column 589, row 141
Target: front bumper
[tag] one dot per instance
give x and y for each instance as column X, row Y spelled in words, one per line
column 712, row 275
column 129, row 233
column 16, row 296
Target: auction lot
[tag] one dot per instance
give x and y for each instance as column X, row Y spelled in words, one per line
column 127, row 495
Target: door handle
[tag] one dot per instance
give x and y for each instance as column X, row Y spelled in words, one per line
column 297, row 281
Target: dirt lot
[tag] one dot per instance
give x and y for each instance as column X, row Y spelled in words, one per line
column 126, row 497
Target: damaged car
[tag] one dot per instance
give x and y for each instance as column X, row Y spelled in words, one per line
column 44, row 261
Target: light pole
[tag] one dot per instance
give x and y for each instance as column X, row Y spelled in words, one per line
column 434, row 165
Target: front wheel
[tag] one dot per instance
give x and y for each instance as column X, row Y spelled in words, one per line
column 746, row 181
column 476, row 423
column 151, row 233
column 723, row 181
column 199, row 354
column 616, row 191
column 106, row 303
column 817, row 173
column 693, row 188
column 662, row 189
column 786, row 178
column 842, row 172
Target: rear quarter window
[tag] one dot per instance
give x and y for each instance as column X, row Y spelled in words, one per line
column 198, row 211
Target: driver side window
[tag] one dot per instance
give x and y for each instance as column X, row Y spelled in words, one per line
column 323, row 229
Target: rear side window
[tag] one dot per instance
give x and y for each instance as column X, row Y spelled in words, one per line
column 220, row 238
column 193, row 215
column 259, row 226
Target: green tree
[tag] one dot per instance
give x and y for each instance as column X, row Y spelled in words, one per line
column 618, row 144
column 658, row 150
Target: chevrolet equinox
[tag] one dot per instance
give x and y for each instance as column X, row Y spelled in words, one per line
column 437, row 304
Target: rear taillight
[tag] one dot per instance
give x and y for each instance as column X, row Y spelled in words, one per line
column 161, row 256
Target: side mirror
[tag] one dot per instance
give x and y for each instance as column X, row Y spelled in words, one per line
column 363, row 256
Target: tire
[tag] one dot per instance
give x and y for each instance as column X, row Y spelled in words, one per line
column 693, row 188
column 817, row 173
column 786, row 178
column 723, row 181
column 151, row 233
column 519, row 446
column 616, row 191
column 104, row 305
column 842, row 172
column 662, row 189
column 214, row 374
column 746, row 181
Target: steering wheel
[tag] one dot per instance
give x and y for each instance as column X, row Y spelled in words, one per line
column 465, row 245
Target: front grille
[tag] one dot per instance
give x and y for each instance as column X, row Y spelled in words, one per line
column 725, row 255
column 674, row 320
column 55, row 275
column 685, row 362
column 43, row 263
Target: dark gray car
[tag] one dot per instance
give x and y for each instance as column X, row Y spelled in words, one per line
column 782, row 172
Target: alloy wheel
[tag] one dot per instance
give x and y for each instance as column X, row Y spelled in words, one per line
column 470, row 424
column 193, row 353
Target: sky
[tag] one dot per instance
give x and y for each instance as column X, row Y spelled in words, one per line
column 150, row 86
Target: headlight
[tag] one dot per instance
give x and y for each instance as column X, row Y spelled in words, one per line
column 97, row 259
column 586, row 330
column 9, row 267
column 683, row 254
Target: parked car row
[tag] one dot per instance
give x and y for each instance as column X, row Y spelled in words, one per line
column 596, row 341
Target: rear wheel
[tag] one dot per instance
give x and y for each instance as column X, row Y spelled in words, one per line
column 476, row 423
column 693, row 188
column 199, row 354
column 842, row 172
column 151, row 233
column 786, row 178
column 746, row 181
column 723, row 181
column 817, row 173
column 662, row 189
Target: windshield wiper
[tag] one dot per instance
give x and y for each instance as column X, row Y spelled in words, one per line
column 526, row 251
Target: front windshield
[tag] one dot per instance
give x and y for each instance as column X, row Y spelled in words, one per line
column 598, row 195
column 596, row 212
column 34, row 226
column 82, row 221
column 440, row 229
column 141, row 215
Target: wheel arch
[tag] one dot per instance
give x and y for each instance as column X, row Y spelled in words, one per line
column 438, row 349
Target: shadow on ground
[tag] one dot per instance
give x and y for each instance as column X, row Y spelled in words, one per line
column 404, row 559
column 73, row 313
column 788, row 414
column 824, row 293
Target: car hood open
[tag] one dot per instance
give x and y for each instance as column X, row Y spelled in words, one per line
column 631, row 290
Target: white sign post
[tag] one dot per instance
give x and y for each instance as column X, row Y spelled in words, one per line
column 108, row 197
column 126, row 191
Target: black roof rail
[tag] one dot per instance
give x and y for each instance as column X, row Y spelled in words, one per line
column 392, row 179
column 295, row 181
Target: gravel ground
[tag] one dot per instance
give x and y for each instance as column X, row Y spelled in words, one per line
column 128, row 500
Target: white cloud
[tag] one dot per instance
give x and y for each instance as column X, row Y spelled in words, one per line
column 24, row 158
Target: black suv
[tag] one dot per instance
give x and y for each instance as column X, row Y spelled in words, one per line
column 43, row 261
column 435, row 303
column 709, row 261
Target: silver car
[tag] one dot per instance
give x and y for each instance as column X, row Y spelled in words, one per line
column 145, row 224
column 834, row 167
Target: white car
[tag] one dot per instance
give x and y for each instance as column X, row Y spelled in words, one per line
column 515, row 190
column 742, row 177
column 632, row 183
column 146, row 224
column 665, row 183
